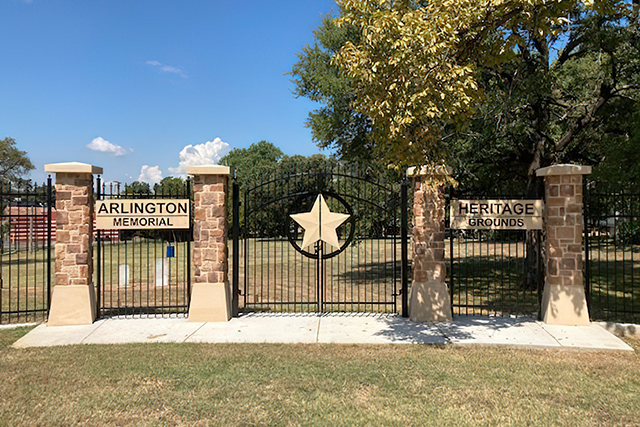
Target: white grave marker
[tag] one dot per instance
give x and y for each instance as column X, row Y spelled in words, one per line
column 123, row 275
column 162, row 272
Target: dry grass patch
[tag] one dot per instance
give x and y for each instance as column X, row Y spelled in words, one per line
column 337, row 385
column 341, row 385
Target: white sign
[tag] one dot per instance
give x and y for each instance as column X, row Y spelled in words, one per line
column 496, row 214
column 129, row 214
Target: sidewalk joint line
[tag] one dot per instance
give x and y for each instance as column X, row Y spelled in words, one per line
column 105, row 320
column 318, row 330
column 194, row 332
column 551, row 335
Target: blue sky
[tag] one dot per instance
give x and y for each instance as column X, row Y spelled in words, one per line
column 129, row 85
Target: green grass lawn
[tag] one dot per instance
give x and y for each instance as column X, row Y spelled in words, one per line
column 489, row 278
column 615, row 281
column 141, row 290
column 23, row 289
column 314, row 385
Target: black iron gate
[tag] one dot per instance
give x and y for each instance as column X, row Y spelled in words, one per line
column 494, row 272
column 365, row 269
column 612, row 251
column 145, row 271
column 26, row 232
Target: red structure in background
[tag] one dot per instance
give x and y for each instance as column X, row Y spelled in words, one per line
column 28, row 226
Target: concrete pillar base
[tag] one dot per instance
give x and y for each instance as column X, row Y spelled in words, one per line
column 72, row 305
column 429, row 302
column 564, row 305
column 210, row 302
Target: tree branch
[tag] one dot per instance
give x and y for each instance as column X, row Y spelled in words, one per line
column 567, row 51
column 584, row 120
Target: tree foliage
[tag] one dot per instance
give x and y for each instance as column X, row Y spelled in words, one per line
column 170, row 186
column 257, row 169
column 14, row 163
column 259, row 159
column 137, row 188
column 336, row 125
column 503, row 86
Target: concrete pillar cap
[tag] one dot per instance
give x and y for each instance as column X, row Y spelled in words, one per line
column 72, row 167
column 564, row 169
column 209, row 170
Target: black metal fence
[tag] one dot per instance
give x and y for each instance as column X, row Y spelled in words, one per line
column 612, row 251
column 26, row 232
column 271, row 269
column 494, row 272
column 143, row 272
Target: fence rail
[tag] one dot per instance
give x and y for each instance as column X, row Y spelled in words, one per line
column 494, row 272
column 612, row 251
column 25, row 252
column 490, row 273
column 142, row 272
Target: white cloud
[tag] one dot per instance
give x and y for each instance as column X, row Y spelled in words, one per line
column 167, row 68
column 202, row 154
column 150, row 174
column 99, row 144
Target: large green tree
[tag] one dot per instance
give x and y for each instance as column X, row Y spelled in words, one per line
column 336, row 124
column 14, row 163
column 487, row 86
column 258, row 160
column 543, row 106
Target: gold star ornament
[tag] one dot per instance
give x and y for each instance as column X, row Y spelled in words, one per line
column 320, row 224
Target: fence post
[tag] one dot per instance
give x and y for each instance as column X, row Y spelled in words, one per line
column 73, row 301
column 236, row 244
column 563, row 299
column 430, row 300
column 210, row 293
column 404, row 244
column 49, row 231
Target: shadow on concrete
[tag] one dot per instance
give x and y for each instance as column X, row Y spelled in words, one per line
column 462, row 328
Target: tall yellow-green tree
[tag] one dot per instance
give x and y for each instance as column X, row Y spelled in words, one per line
column 418, row 71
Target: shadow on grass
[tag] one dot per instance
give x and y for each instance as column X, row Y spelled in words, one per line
column 366, row 272
column 490, row 285
column 615, row 293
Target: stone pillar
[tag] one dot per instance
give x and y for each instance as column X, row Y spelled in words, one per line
column 563, row 300
column 429, row 299
column 211, row 291
column 73, row 301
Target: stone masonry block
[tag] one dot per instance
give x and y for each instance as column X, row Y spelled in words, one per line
column 567, row 190
column 563, row 224
column 565, row 232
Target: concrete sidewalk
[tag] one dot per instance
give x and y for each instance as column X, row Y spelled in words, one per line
column 339, row 328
